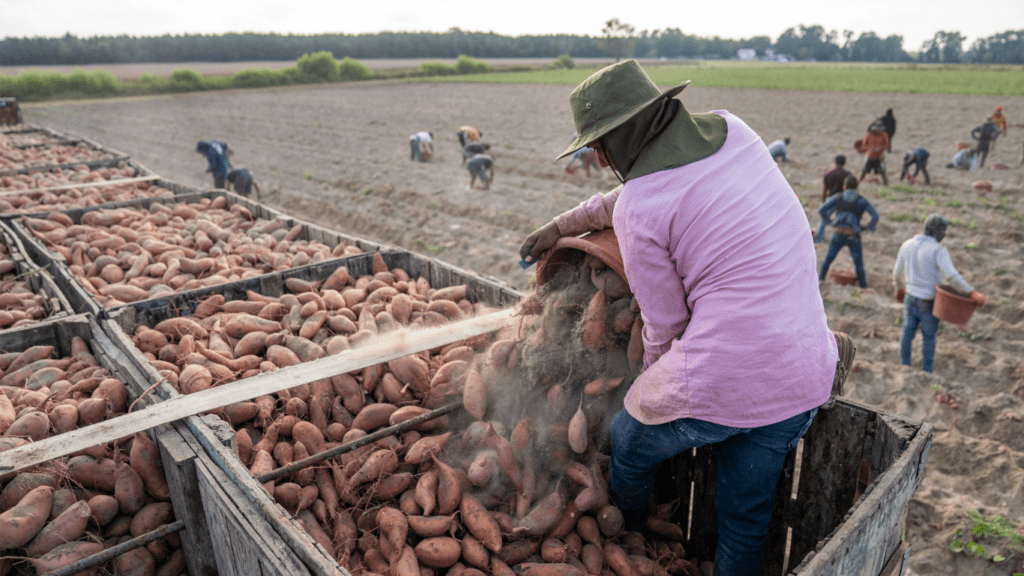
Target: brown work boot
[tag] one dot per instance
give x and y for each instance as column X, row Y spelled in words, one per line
column 846, row 353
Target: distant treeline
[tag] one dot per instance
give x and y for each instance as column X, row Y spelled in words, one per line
column 800, row 42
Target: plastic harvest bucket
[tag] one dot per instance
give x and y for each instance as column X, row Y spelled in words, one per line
column 952, row 307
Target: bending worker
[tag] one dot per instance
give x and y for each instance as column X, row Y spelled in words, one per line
column 918, row 158
column 921, row 265
column 848, row 207
column 701, row 209
column 216, row 155
column 481, row 166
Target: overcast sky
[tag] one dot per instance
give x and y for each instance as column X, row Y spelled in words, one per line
column 916, row 21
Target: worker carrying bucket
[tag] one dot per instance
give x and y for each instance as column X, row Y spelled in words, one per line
column 737, row 353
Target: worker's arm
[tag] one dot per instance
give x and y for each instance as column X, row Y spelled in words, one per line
column 594, row 213
column 257, row 187
column 898, row 274
column 826, row 209
column 949, row 273
column 874, row 215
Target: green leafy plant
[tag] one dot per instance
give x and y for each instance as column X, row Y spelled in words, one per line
column 974, row 224
column 306, row 175
column 999, row 271
column 1002, row 539
column 971, row 246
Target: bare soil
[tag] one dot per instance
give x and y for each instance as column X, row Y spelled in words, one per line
column 338, row 155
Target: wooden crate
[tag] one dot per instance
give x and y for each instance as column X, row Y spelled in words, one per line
column 179, row 449
column 82, row 300
column 858, row 469
column 39, row 280
column 249, row 527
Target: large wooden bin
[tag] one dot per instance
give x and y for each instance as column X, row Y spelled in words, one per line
column 839, row 511
column 250, row 532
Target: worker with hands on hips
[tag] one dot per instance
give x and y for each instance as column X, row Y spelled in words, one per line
column 715, row 249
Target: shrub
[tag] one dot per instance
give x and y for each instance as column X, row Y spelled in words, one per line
column 95, row 83
column 435, row 68
column 186, row 79
column 564, row 61
column 350, row 69
column 257, row 78
column 467, row 65
column 319, row 65
column 149, row 78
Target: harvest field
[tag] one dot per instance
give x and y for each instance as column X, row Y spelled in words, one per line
column 338, row 155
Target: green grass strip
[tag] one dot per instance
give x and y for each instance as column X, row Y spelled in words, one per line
column 848, row 77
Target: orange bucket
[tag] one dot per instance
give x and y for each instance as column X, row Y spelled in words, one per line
column 603, row 244
column 952, row 307
column 962, row 145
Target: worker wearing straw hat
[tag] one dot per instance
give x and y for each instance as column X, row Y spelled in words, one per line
column 715, row 248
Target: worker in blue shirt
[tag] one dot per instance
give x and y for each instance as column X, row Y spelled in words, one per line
column 243, row 182
column 918, row 158
column 216, row 155
column 848, row 208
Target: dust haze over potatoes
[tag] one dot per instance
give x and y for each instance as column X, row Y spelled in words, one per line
column 338, row 155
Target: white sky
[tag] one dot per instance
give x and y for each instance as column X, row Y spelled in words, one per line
column 916, row 21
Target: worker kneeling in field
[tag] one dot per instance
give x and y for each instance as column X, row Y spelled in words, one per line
column 481, row 166
column 217, row 156
column 921, row 265
column 242, row 181
column 714, row 243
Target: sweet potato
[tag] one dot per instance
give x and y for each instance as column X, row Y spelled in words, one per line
column 474, row 394
column 578, row 430
column 373, row 416
column 592, row 558
column 483, row 468
column 21, row 485
column 33, row 425
column 426, row 490
column 480, row 523
column 438, row 552
column 378, row 464
column 588, row 529
column 129, row 490
column 594, row 323
column 67, row 527
column 610, row 521
column 391, row 486
column 449, row 488
column 566, row 521
column 7, row 413
column 506, row 457
column 92, row 473
column 151, row 517
column 543, row 516
column 103, row 509
column 393, row 528
column 430, row 526
column 309, row 435
column 540, row 569
column 619, row 561
column 65, row 554
column 474, row 552
column 515, row 552
column 20, row 524
column 667, row 529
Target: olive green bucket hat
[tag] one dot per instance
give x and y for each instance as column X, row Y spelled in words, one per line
column 609, row 98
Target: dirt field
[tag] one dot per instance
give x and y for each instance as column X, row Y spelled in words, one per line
column 339, row 156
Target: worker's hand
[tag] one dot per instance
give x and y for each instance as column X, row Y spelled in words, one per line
column 978, row 297
column 540, row 240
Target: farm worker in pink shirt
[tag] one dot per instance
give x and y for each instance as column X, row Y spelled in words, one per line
column 716, row 250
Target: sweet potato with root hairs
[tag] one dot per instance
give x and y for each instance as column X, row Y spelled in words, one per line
column 480, row 523
column 426, row 490
column 667, row 529
column 103, row 509
column 449, row 488
column 65, row 554
column 424, row 447
column 67, row 527
column 393, row 528
column 115, row 392
column 287, row 495
column 506, row 457
column 20, row 524
column 557, row 569
column 33, row 425
column 374, row 416
column 409, row 412
column 594, row 322
column 412, row 371
column 151, row 517
column 379, row 463
column 618, row 561
column 513, row 553
column 314, row 529
column 391, row 486
column 438, row 552
column 21, row 485
column 92, row 473
column 181, row 325
column 30, row 356
column 543, row 516
column 144, row 459
column 592, row 558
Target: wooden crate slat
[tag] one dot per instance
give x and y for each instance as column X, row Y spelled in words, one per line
column 778, row 528
column 703, row 537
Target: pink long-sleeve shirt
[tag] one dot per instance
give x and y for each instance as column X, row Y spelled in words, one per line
column 720, row 258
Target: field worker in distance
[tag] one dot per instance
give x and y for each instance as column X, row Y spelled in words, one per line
column 778, row 150
column 918, row 158
column 889, row 122
column 921, row 265
column 481, row 166
column 467, row 135
column 421, row 146
column 1001, row 123
column 242, row 182
column 963, row 159
column 701, row 211
column 470, row 150
column 216, row 155
column 985, row 134
column 875, row 144
column 834, row 179
column 848, row 208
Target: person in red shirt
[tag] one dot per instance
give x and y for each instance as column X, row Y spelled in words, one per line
column 1001, row 124
column 875, row 144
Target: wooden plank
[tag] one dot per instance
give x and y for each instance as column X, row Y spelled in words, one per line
column 703, row 538
column 898, row 562
column 99, row 184
column 394, row 345
column 828, row 473
column 863, row 544
column 180, row 468
column 672, row 483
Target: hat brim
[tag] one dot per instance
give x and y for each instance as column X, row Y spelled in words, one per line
column 588, row 137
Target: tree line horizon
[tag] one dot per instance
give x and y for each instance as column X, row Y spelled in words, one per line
column 618, row 40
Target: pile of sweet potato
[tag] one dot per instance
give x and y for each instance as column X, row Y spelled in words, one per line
column 129, row 254
column 76, row 506
column 17, row 158
column 77, row 197
column 19, row 306
column 514, row 480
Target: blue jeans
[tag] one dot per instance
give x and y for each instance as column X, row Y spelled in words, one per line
column 918, row 312
column 414, row 144
column 748, row 463
column 856, row 252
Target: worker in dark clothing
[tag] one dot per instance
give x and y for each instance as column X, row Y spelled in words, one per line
column 985, row 135
column 470, row 150
column 889, row 121
column 242, row 182
column 848, row 208
column 918, row 158
column 216, row 155
column 835, row 179
column 481, row 166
